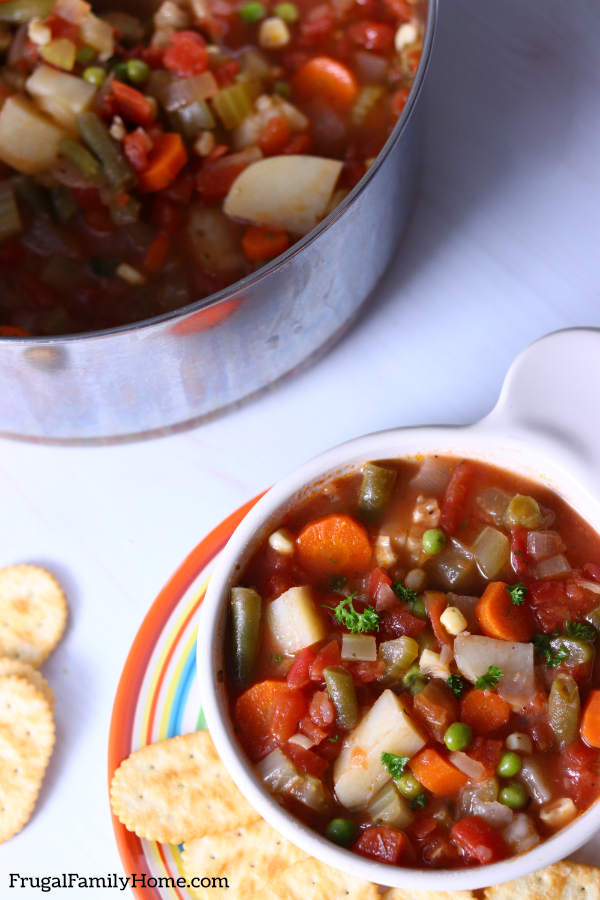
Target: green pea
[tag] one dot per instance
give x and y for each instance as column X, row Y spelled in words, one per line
column 282, row 88
column 287, row 11
column 433, row 540
column 94, row 75
column 513, row 795
column 137, row 70
column 119, row 70
column 418, row 608
column 509, row 765
column 408, row 786
column 523, row 510
column 342, row 831
column 252, row 12
column 85, row 54
column 458, row 736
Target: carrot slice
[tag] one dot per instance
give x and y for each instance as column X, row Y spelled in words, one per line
column 590, row 720
column 435, row 604
column 259, row 715
column 328, row 79
column 260, row 243
column 167, row 158
column 334, row 544
column 484, row 711
column 499, row 618
column 157, row 252
column 437, row 774
column 132, row 104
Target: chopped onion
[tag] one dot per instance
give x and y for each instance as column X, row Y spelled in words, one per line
column 491, row 551
column 589, row 586
column 497, row 814
column 361, row 647
column 385, row 598
column 521, row 835
column 473, row 795
column 471, row 767
column 552, row 568
column 432, row 477
column 72, row 10
column 494, row 502
column 544, row 544
column 182, row 91
column 302, row 740
column 310, row 791
column 446, row 655
column 371, row 69
column 532, row 775
column 475, row 653
column 277, row 771
column 19, row 42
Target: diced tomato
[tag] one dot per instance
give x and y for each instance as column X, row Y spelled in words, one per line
column 486, row 751
column 317, row 25
column 371, row 35
column 437, row 708
column 479, row 840
column 157, row 252
column 88, row 198
column 352, row 172
column 364, row 672
column 226, row 73
column 132, row 104
column 453, row 505
column 579, row 771
column 61, row 28
column 312, row 731
column 275, row 136
column 289, row 708
column 329, row 655
column 321, row 710
column 186, row 54
column 136, row 146
column 399, row 99
column 400, row 621
column 152, row 55
column 307, row 760
column 591, row 570
column 214, row 179
column 555, row 602
column 99, row 220
column 382, row 843
column 518, row 550
column 299, row 143
column 400, row 9
column 376, row 577
column 166, row 215
column 34, row 289
column 180, row 190
column 299, row 674
column 331, row 746
column 11, row 253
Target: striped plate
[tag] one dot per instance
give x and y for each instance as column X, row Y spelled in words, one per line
column 157, row 699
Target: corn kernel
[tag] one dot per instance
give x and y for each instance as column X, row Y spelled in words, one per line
column 129, row 274
column 117, row 129
column 282, row 541
column 205, row 143
column 405, row 35
column 273, row 33
column 453, row 620
column 558, row 813
column 519, row 742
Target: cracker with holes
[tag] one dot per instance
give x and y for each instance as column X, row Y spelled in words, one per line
column 402, row 894
column 311, row 879
column 10, row 666
column 562, row 881
column 26, row 742
column 33, row 613
column 176, row 790
column 246, row 856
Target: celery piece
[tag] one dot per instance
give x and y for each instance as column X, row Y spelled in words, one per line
column 367, row 99
column 10, row 219
column 60, row 52
column 232, row 104
column 18, row 11
column 95, row 134
column 340, row 687
column 81, row 158
column 564, row 708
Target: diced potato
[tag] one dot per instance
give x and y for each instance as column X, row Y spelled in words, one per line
column 431, row 663
column 214, row 240
column 61, row 95
column 293, row 621
column 282, row 541
column 474, row 654
column 359, row 646
column 386, row 728
column 289, row 192
column 29, row 142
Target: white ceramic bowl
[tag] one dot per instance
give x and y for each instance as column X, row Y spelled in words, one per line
column 545, row 426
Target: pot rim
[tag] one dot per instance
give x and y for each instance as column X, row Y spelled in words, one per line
column 233, row 291
column 498, row 439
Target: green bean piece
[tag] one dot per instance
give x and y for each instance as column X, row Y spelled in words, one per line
column 246, row 612
column 95, row 134
column 563, row 709
column 375, row 489
column 18, row 11
column 81, row 158
column 342, row 831
column 190, row 120
column 340, row 687
column 64, row 203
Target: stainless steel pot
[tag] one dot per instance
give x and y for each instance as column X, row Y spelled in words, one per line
column 188, row 364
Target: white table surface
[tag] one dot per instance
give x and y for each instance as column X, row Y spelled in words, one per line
column 504, row 247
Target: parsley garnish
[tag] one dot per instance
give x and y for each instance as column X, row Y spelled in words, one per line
column 490, row 679
column 553, row 656
column 338, row 582
column 394, row 764
column 419, row 802
column 333, row 739
column 580, row 631
column 277, row 657
column 456, row 685
column 404, row 593
column 517, row 593
column 354, row 621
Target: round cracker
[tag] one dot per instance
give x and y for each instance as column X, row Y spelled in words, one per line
column 26, row 742
column 10, row 666
column 33, row 613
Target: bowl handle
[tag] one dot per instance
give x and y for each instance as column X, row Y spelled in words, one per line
column 552, row 389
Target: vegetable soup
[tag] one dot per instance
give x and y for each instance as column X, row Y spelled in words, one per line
column 146, row 163
column 412, row 662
